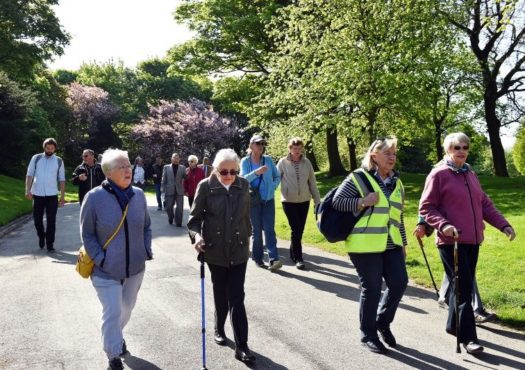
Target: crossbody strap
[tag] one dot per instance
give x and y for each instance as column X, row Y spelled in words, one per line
column 117, row 229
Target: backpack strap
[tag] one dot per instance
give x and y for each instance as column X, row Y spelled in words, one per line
column 361, row 177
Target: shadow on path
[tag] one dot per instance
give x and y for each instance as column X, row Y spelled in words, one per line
column 137, row 363
column 419, row 360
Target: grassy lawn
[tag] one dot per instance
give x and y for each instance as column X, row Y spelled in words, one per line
column 501, row 265
column 13, row 203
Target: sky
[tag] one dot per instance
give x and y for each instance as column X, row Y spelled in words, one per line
column 127, row 30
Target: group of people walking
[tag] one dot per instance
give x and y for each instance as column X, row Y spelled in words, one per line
column 233, row 201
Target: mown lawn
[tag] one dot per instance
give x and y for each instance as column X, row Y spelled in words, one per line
column 13, row 203
column 501, row 266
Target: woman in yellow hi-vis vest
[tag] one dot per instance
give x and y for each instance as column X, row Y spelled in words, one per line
column 376, row 245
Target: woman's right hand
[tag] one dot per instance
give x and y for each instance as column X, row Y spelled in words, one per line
column 370, row 200
column 419, row 231
column 199, row 244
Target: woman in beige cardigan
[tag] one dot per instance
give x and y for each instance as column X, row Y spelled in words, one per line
column 298, row 186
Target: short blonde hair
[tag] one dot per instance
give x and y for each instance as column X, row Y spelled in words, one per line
column 297, row 141
column 454, row 138
column 193, row 158
column 110, row 159
column 377, row 146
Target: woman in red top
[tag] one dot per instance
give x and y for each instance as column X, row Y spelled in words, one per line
column 456, row 206
column 194, row 175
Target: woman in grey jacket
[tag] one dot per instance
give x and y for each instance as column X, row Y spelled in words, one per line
column 298, row 186
column 119, row 269
column 219, row 226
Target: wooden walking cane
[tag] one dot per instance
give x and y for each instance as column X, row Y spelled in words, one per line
column 456, row 290
column 420, row 242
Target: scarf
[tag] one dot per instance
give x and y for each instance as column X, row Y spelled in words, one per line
column 123, row 196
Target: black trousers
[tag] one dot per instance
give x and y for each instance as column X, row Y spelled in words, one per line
column 190, row 200
column 228, row 295
column 296, row 214
column 467, row 261
column 49, row 205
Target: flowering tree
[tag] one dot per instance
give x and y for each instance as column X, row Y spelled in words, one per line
column 93, row 116
column 184, row 127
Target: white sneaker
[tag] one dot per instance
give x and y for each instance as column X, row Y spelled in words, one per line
column 275, row 265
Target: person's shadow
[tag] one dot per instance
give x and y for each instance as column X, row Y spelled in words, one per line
column 138, row 363
column 261, row 362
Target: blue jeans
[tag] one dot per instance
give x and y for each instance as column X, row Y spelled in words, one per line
column 371, row 269
column 262, row 217
column 158, row 194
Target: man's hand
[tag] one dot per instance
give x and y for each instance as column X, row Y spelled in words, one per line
column 199, row 244
column 61, row 202
column 509, row 231
column 29, row 195
column 82, row 177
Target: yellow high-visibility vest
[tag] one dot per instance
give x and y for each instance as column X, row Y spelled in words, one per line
column 371, row 232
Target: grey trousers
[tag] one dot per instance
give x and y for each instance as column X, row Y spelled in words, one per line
column 178, row 201
column 477, row 305
column 118, row 299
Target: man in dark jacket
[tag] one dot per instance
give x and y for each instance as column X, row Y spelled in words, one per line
column 88, row 174
column 157, row 169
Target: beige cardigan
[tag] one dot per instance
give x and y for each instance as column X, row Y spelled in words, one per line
column 302, row 191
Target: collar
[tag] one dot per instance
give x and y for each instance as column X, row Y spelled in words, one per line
column 289, row 157
column 463, row 169
column 123, row 196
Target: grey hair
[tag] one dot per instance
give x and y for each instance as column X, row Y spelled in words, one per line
column 111, row 157
column 377, row 147
column 226, row 155
column 454, row 138
column 193, row 158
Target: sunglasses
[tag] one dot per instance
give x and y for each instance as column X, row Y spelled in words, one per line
column 457, row 147
column 228, row 172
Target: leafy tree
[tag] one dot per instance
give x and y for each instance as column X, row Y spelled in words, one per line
column 495, row 32
column 518, row 151
column 23, row 125
column 93, row 118
column 30, row 33
column 184, row 127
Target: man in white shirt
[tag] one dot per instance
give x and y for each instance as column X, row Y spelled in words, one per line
column 45, row 170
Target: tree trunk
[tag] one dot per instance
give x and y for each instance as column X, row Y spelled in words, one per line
column 309, row 152
column 352, row 146
column 493, row 126
column 334, row 159
column 437, row 139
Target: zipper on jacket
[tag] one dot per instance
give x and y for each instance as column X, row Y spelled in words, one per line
column 127, row 246
column 472, row 207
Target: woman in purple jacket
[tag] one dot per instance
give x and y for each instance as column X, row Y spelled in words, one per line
column 454, row 204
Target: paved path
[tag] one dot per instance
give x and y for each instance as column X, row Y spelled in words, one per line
column 50, row 317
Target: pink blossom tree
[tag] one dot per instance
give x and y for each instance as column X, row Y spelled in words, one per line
column 184, row 127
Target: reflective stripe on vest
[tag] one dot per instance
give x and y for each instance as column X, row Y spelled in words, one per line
column 370, row 234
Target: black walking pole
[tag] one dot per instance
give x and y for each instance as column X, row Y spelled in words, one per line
column 456, row 290
column 428, row 266
column 203, row 315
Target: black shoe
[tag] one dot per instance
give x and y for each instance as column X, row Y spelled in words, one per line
column 41, row 243
column 179, row 225
column 375, row 345
column 388, row 337
column 124, row 351
column 50, row 249
column 260, row 264
column 159, row 208
column 170, row 221
column 300, row 265
column 220, row 338
column 115, row 364
column 473, row 348
column 244, row 355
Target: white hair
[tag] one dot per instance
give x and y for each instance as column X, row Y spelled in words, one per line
column 454, row 138
column 193, row 158
column 377, row 146
column 225, row 155
column 111, row 157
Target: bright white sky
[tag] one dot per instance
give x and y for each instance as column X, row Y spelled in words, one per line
column 127, row 30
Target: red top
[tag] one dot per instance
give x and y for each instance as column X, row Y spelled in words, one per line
column 193, row 177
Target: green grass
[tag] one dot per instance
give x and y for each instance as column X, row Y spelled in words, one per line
column 13, row 203
column 501, row 265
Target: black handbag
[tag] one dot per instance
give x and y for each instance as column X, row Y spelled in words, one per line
column 255, row 194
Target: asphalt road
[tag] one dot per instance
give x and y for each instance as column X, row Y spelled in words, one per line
column 50, row 317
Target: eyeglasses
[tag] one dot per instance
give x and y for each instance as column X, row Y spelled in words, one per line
column 457, row 147
column 230, row 172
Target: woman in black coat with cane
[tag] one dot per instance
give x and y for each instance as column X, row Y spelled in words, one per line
column 220, row 228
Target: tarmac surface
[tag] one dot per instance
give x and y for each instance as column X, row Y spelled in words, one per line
column 50, row 317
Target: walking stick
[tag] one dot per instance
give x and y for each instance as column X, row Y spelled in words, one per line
column 428, row 266
column 456, row 290
column 203, row 315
